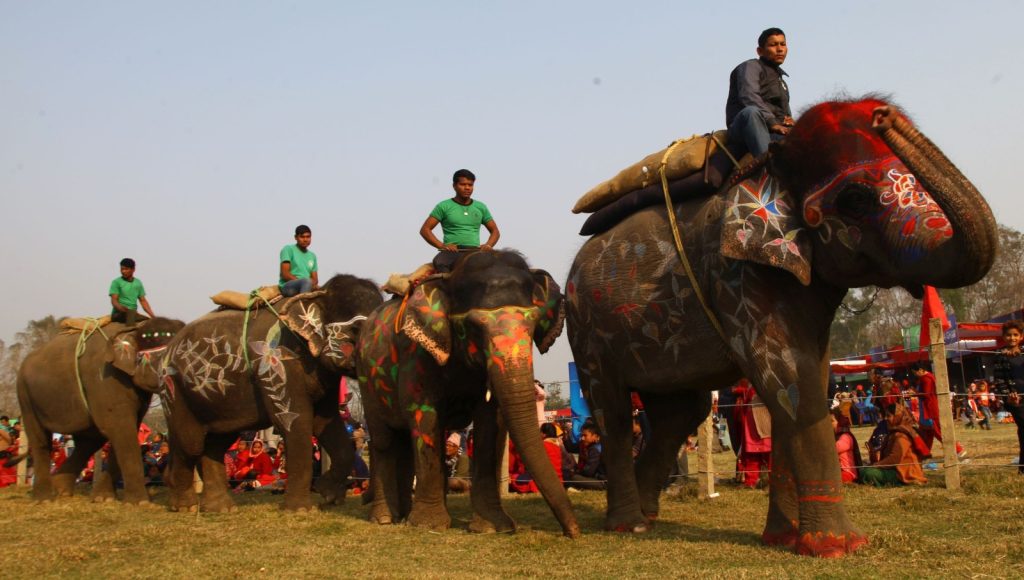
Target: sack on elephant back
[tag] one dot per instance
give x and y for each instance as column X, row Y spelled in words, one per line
column 685, row 157
column 240, row 300
column 77, row 325
column 762, row 418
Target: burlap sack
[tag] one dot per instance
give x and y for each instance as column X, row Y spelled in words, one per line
column 762, row 418
column 687, row 157
column 76, row 325
column 239, row 300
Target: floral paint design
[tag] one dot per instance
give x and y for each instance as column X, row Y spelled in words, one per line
column 272, row 374
column 203, row 364
column 511, row 344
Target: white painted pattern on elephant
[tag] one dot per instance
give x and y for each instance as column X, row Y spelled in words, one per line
column 338, row 334
column 272, row 374
column 165, row 384
column 310, row 317
column 204, row 363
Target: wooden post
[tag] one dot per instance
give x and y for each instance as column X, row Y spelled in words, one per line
column 951, row 462
column 705, row 465
column 23, row 465
column 503, row 476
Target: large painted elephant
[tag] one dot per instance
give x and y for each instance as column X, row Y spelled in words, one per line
column 102, row 396
column 456, row 350
column 854, row 196
column 223, row 374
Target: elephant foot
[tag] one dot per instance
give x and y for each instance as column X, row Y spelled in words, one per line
column 184, row 508
column 298, row 504
column 635, row 524
column 830, row 544
column 302, row 510
column 102, row 498
column 333, row 491
column 432, row 519
column 64, row 485
column 219, row 504
column 495, row 524
column 380, row 514
column 783, row 535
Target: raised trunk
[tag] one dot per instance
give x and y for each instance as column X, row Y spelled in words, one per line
column 513, row 385
column 974, row 227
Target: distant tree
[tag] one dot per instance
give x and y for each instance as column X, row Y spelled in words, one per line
column 555, row 399
column 35, row 334
column 1000, row 291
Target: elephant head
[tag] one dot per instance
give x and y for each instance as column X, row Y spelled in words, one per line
column 488, row 314
column 329, row 320
column 856, row 190
column 135, row 350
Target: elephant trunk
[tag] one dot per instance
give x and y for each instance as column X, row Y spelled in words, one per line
column 974, row 226
column 512, row 382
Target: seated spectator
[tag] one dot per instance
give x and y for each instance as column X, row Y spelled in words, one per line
column 900, row 461
column 456, row 465
column 846, row 446
column 57, row 455
column 590, row 470
column 639, row 441
column 556, row 453
column 258, row 470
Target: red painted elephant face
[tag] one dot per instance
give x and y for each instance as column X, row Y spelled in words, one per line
column 882, row 195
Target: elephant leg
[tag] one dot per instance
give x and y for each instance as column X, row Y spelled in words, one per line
column 127, row 457
column 180, row 479
column 39, row 448
column 66, row 475
column 485, row 494
column 384, row 443
column 335, row 441
column 672, row 417
column 405, row 471
column 613, row 410
column 216, row 497
column 299, row 441
column 428, row 506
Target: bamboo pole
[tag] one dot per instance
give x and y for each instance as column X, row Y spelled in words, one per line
column 950, row 461
column 705, row 464
column 23, row 465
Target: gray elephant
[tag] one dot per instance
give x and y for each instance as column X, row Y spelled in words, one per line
column 97, row 396
column 232, row 370
column 457, row 349
column 854, row 196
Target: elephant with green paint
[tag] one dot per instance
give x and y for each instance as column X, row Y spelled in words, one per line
column 854, row 196
column 95, row 386
column 281, row 366
column 459, row 349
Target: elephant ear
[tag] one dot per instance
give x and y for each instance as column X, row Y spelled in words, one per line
column 547, row 297
column 123, row 351
column 762, row 224
column 303, row 315
column 424, row 319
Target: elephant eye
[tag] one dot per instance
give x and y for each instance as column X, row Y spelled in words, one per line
column 856, row 201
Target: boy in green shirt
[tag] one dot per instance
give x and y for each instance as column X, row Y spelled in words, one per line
column 126, row 293
column 460, row 218
column 298, row 265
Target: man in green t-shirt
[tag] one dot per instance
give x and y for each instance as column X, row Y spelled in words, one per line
column 460, row 218
column 126, row 293
column 298, row 265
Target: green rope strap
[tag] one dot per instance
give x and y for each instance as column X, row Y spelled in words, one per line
column 254, row 298
column 91, row 327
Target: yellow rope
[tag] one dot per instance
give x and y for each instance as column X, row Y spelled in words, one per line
column 722, row 146
column 92, row 325
column 679, row 244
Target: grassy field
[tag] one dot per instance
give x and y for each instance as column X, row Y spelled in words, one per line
column 914, row 533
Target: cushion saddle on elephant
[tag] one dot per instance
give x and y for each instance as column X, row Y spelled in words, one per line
column 233, row 300
column 694, row 167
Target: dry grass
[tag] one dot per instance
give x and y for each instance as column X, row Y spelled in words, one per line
column 914, row 532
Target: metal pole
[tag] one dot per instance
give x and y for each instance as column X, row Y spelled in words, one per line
column 705, row 465
column 950, row 461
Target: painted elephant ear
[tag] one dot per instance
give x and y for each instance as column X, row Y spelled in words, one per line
column 303, row 315
column 762, row 224
column 425, row 319
column 123, row 351
column 547, row 296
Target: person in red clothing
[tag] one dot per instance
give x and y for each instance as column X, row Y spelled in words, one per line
column 755, row 452
column 846, row 446
column 929, row 419
column 258, row 470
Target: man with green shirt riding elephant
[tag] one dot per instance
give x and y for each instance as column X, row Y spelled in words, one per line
column 460, row 218
column 126, row 293
column 298, row 265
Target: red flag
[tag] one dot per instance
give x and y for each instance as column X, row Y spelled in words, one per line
column 932, row 309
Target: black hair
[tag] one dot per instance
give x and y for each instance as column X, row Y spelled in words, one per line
column 1014, row 324
column 590, row 427
column 302, row 229
column 763, row 38
column 463, row 173
column 128, row 263
column 4, row 418
column 548, row 430
column 918, row 366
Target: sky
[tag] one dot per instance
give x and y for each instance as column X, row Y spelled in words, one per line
column 195, row 136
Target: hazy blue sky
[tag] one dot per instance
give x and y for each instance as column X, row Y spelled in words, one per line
column 194, row 136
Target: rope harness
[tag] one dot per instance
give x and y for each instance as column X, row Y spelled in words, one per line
column 670, row 210
column 254, row 299
column 91, row 327
column 412, row 286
